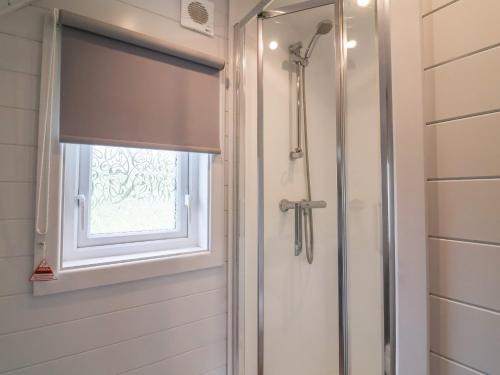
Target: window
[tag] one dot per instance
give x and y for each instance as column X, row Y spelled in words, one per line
column 112, row 204
column 138, row 203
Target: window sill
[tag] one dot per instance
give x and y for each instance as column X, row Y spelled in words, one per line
column 77, row 276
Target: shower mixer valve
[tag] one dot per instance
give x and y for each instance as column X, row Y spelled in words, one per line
column 300, row 208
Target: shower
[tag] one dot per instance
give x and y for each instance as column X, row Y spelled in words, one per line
column 301, row 150
column 314, row 237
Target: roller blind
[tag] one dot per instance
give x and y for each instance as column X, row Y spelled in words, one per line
column 127, row 94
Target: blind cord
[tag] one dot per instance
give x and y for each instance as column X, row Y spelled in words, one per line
column 47, row 138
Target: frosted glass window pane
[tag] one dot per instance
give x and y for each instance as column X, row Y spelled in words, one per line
column 132, row 190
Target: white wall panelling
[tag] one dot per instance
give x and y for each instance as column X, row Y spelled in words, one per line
column 26, row 23
column 469, row 334
column 465, row 271
column 106, row 329
column 16, row 238
column 443, row 366
column 465, row 209
column 462, row 88
column 17, row 126
column 18, row 90
column 447, row 37
column 432, row 5
column 143, row 21
column 190, row 363
column 163, row 345
column 462, row 102
column 23, row 169
column 174, row 324
column 171, row 10
column 19, row 54
column 464, row 148
column 17, row 200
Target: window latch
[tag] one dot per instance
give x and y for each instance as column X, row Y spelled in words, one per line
column 80, row 200
column 187, row 203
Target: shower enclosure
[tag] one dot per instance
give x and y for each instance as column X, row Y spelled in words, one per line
column 313, row 275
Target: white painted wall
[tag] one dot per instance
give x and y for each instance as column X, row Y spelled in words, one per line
column 463, row 187
column 173, row 324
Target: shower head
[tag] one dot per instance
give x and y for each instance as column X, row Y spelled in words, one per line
column 324, row 27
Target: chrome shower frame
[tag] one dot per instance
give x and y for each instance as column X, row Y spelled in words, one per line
column 260, row 13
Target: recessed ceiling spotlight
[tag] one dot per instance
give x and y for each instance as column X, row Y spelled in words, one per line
column 363, row 3
column 351, row 43
column 273, row 45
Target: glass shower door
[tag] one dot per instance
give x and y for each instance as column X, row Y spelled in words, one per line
column 299, row 192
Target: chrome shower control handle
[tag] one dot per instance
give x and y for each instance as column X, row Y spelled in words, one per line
column 298, row 229
column 286, row 205
column 300, row 208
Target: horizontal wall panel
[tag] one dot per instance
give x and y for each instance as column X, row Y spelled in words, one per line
column 26, row 23
column 465, row 334
column 464, row 148
column 15, row 275
column 27, row 312
column 18, row 126
column 105, row 329
column 442, row 366
column 17, row 163
column 118, row 13
column 16, row 238
column 191, row 363
column 20, row 55
column 467, row 210
column 460, row 29
column 467, row 272
column 218, row 371
column 431, row 5
column 17, row 200
column 135, row 353
column 463, row 87
column 18, row 90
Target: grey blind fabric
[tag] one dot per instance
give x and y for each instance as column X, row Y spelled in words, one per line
column 120, row 94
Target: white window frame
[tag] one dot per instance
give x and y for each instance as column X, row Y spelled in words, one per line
column 78, row 252
column 79, row 159
column 140, row 262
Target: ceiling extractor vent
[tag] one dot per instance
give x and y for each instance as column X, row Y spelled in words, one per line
column 198, row 15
